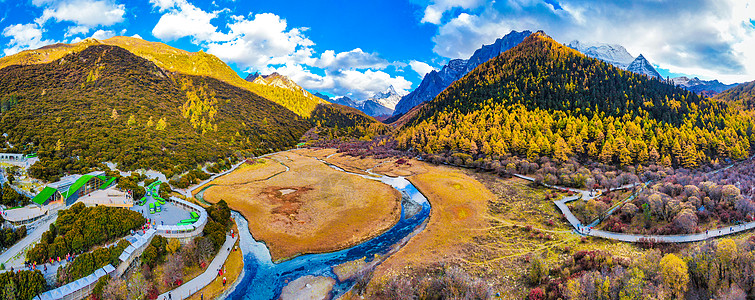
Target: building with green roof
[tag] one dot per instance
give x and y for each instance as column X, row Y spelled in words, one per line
column 71, row 187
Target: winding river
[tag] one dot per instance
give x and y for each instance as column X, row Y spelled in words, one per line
column 263, row 279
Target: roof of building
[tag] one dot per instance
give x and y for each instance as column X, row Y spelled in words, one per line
column 107, row 183
column 45, row 194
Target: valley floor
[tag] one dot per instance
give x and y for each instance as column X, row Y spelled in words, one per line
column 303, row 206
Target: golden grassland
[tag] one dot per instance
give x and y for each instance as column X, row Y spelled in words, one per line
column 489, row 226
column 247, row 173
column 458, row 214
column 388, row 166
column 310, row 209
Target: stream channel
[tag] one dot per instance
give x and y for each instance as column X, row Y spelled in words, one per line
column 263, row 279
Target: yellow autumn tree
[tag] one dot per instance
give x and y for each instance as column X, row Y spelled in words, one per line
column 675, row 274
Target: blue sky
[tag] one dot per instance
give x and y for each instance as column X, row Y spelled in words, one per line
column 358, row 48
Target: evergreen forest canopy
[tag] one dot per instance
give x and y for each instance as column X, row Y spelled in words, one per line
column 541, row 98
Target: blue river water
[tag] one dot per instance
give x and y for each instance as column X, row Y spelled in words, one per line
column 264, row 279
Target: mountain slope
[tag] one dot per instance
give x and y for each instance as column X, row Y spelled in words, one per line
column 642, row 66
column 436, row 81
column 742, row 95
column 173, row 60
column 613, row 54
column 104, row 103
column 544, row 99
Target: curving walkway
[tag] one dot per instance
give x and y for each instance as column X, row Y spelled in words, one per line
column 586, row 230
column 192, row 286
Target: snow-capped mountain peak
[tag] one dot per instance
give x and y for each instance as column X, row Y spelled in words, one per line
column 613, row 54
column 389, row 98
column 640, row 65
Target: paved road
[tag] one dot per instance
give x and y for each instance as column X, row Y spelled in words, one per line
column 189, row 288
column 29, row 240
column 188, row 191
column 626, row 237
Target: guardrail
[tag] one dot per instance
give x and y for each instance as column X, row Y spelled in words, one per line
column 184, row 231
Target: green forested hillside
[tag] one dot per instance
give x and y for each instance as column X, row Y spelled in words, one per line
column 106, row 104
column 544, row 99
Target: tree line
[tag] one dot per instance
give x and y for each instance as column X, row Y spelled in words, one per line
column 543, row 99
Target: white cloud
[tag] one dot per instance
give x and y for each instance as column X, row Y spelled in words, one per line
column 183, row 19
column 705, row 38
column 354, row 59
column 23, row 37
column 103, row 34
column 264, row 43
column 358, row 84
column 420, row 67
column 164, row 5
column 76, row 30
column 137, row 36
column 434, row 12
column 369, row 82
column 90, row 13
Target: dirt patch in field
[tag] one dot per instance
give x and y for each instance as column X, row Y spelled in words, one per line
column 328, row 210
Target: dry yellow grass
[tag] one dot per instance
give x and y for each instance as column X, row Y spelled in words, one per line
column 458, row 214
column 488, row 225
column 312, row 208
column 358, row 165
column 247, row 173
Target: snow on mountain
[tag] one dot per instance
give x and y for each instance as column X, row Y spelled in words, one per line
column 707, row 87
column 613, row 54
column 388, row 99
column 616, row 55
column 436, row 81
column 642, row 66
column 277, row 80
column 375, row 109
column 376, row 106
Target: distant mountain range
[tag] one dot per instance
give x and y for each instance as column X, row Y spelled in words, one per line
column 618, row 56
column 704, row 87
column 436, row 81
column 379, row 105
column 742, row 95
column 173, row 60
